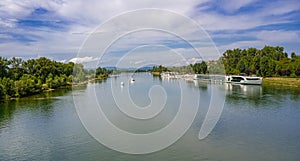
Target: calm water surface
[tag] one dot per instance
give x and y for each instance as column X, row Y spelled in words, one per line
column 257, row 123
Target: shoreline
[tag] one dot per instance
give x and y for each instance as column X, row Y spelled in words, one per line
column 281, row 81
column 267, row 81
column 67, row 85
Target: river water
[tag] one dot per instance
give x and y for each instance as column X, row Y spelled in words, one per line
column 257, row 123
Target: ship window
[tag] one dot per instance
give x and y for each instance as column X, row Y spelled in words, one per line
column 237, row 79
column 252, row 78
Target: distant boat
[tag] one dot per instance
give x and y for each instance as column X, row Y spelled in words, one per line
column 132, row 80
column 237, row 79
column 122, row 84
column 169, row 75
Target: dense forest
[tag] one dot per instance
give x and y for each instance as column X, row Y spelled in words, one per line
column 20, row 78
column 267, row 62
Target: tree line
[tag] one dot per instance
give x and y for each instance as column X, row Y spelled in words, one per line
column 267, row 62
column 270, row 61
column 20, row 78
column 197, row 68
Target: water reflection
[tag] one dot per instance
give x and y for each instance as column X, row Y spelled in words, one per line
column 249, row 91
column 40, row 105
column 257, row 123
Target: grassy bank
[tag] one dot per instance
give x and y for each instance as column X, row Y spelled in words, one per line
column 277, row 81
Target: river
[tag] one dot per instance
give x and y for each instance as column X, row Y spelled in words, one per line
column 257, row 123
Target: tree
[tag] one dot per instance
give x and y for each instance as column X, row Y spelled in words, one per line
column 16, row 70
column 293, row 55
column 4, row 67
column 78, row 73
column 297, row 72
column 159, row 69
column 7, row 87
column 271, row 69
column 203, row 67
column 49, row 80
column 1, row 92
column 200, row 68
column 264, row 66
column 256, row 64
column 241, row 66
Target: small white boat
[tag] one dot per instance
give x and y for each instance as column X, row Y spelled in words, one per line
column 237, row 79
column 122, row 84
column 132, row 80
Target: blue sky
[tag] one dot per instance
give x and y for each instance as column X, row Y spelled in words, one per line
column 57, row 28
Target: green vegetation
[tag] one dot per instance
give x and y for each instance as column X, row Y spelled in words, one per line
column 21, row 78
column 267, row 62
column 159, row 69
column 102, row 73
column 198, row 68
column 182, row 69
column 279, row 81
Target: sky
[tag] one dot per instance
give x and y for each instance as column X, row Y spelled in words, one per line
column 60, row 29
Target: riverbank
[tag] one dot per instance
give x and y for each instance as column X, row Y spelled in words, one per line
column 279, row 81
column 68, row 85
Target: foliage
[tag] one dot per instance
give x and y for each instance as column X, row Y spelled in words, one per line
column 159, row 69
column 102, row 72
column 200, row 68
column 19, row 78
column 182, row 69
column 267, row 62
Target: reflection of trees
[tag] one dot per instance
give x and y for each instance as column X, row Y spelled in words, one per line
column 244, row 90
column 258, row 96
column 197, row 84
column 278, row 92
column 41, row 103
column 244, row 94
column 6, row 111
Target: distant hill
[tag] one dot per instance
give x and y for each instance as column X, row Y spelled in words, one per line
column 147, row 68
column 110, row 68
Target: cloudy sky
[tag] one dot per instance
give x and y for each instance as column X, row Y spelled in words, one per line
column 58, row 29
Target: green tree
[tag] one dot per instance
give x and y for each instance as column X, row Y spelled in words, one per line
column 200, row 68
column 4, row 69
column 241, row 66
column 49, row 80
column 293, row 55
column 78, row 73
column 1, row 92
column 264, row 66
column 28, row 84
column 16, row 70
column 7, row 87
column 159, row 69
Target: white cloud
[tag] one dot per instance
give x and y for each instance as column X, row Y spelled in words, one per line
column 278, row 36
column 10, row 23
column 83, row 60
column 242, row 45
column 84, row 16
